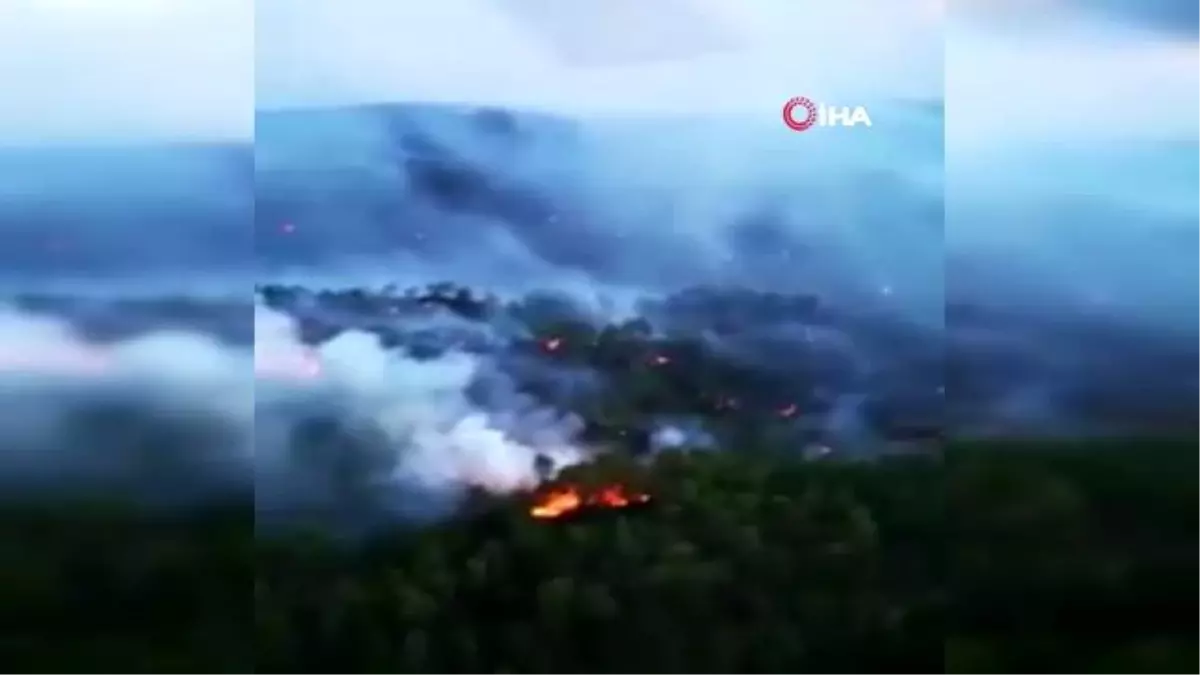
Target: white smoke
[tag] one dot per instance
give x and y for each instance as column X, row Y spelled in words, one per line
column 417, row 413
column 167, row 412
column 681, row 434
column 46, row 353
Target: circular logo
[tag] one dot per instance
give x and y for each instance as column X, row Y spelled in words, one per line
column 789, row 113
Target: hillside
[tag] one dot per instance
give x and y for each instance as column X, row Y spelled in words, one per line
column 1017, row 557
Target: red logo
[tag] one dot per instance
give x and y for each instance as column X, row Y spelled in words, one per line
column 789, row 113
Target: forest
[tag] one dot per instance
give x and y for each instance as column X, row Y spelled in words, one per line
column 1073, row 557
column 727, row 552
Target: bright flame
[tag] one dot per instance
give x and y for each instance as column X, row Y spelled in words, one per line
column 557, row 503
column 562, row 501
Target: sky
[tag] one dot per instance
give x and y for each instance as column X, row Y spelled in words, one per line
column 99, row 70
column 103, row 70
column 1071, row 156
column 187, row 68
column 611, row 56
column 1051, row 73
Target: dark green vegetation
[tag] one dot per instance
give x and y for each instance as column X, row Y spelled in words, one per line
column 93, row 587
column 1031, row 557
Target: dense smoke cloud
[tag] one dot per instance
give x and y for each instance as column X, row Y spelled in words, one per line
column 828, row 287
column 179, row 415
column 517, row 202
column 349, row 420
column 679, row 174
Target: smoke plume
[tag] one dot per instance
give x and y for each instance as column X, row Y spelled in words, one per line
column 169, row 415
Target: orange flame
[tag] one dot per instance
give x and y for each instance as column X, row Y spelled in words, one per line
column 562, row 501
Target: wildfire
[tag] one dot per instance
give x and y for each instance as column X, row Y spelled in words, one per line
column 566, row 500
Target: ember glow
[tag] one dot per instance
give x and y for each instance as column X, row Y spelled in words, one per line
column 570, row 499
